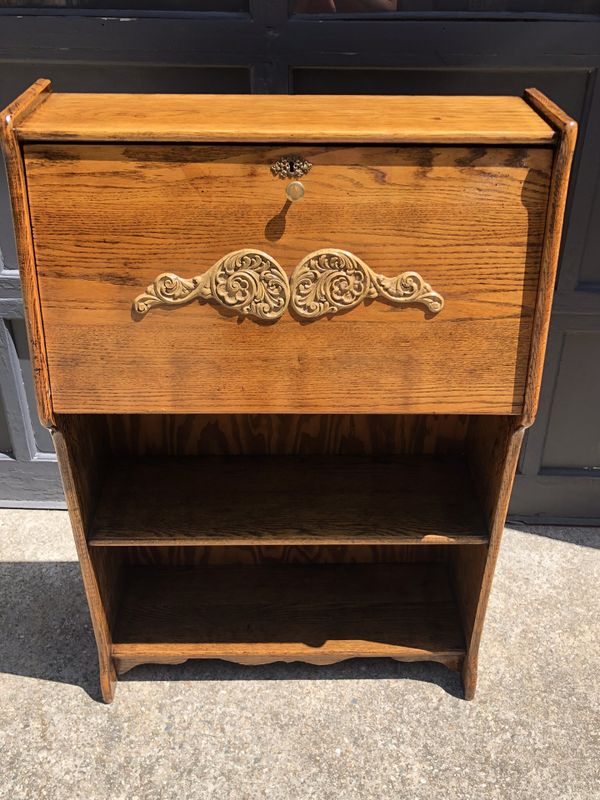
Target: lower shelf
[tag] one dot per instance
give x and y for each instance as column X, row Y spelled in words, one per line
column 319, row 613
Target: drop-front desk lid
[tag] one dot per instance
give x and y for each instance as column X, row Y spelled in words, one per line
column 284, row 118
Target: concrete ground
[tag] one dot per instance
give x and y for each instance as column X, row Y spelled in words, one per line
column 355, row 730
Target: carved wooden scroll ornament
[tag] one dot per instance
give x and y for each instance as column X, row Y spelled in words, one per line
column 329, row 281
column 248, row 281
column 253, row 284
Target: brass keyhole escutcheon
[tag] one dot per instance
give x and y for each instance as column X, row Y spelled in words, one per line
column 291, row 166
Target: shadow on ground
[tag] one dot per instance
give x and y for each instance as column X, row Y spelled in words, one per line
column 584, row 537
column 45, row 633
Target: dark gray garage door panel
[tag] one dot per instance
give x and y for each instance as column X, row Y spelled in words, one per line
column 490, row 46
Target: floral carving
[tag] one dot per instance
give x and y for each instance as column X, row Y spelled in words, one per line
column 328, row 281
column 253, row 284
column 249, row 282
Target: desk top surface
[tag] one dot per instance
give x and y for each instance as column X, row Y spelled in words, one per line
column 284, row 118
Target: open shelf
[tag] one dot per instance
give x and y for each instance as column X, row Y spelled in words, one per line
column 277, row 500
column 310, row 612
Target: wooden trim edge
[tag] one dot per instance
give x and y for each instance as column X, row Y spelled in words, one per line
column 100, row 623
column 557, row 199
column 511, row 450
column 11, row 116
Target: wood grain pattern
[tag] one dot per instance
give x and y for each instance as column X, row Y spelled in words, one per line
column 78, row 448
column 281, row 118
column 260, row 555
column 394, row 207
column 494, row 455
column 559, row 186
column 494, row 450
column 282, row 500
column 289, row 613
column 108, row 569
column 488, row 441
column 10, row 117
column 286, row 434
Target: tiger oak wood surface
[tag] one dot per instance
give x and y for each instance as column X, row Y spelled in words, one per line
column 297, row 118
column 289, row 612
column 281, row 500
column 258, row 554
column 142, row 210
column 286, row 434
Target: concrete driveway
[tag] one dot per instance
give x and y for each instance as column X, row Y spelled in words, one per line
column 354, row 730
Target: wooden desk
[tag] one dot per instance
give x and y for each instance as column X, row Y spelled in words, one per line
column 288, row 347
